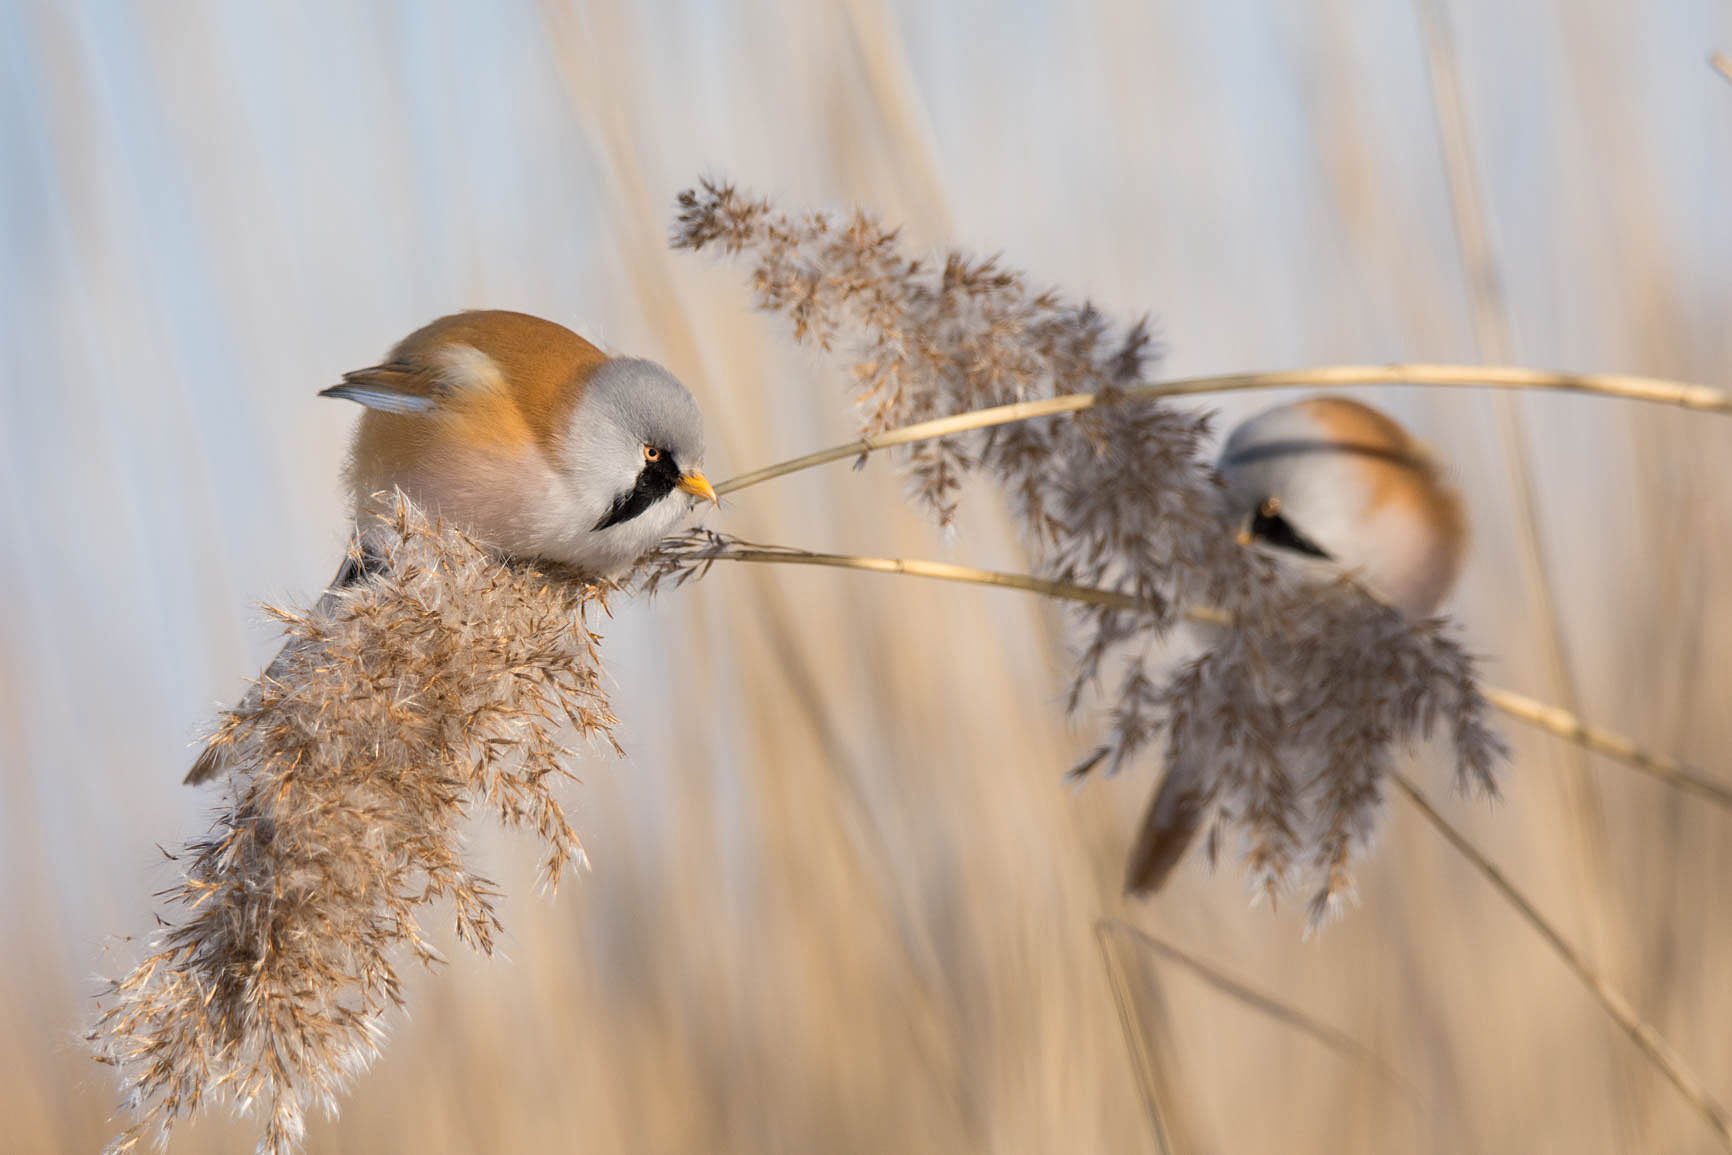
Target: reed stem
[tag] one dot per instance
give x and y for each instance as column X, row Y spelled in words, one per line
column 1651, row 389
column 1551, row 719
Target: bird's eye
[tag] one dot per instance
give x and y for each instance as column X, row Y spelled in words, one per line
column 1269, row 527
column 651, row 454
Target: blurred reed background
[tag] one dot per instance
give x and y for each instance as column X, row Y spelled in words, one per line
column 841, row 900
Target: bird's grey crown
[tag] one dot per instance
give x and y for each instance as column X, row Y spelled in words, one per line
column 649, row 403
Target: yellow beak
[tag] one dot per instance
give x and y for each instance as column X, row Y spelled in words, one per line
column 698, row 485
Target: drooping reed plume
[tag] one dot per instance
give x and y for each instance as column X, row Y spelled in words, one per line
column 440, row 687
column 1284, row 726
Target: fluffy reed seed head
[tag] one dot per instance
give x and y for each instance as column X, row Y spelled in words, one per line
column 1284, row 727
column 441, row 686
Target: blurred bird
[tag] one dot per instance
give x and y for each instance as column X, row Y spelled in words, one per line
column 1328, row 485
column 526, row 436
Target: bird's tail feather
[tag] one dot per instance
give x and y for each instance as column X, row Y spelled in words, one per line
column 1169, row 827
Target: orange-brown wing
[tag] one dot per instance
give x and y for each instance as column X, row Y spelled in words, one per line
column 535, row 367
column 545, row 363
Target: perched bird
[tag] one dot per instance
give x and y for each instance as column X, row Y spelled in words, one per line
column 1329, row 485
column 526, row 436
column 1333, row 485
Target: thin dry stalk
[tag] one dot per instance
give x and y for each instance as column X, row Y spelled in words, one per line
column 1654, row 390
column 1151, row 1081
column 1555, row 721
column 1611, row 1000
column 438, row 687
column 1572, row 728
column 1721, row 62
column 917, row 567
column 1319, row 1032
column 890, row 78
column 1490, row 308
column 1485, row 288
column 1489, row 305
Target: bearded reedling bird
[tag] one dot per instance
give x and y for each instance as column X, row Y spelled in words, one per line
column 1329, row 485
column 526, row 436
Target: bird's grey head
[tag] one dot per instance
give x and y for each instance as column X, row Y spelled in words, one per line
column 633, row 452
column 1330, row 484
column 1271, row 493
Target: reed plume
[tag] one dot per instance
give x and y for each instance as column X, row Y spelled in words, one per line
column 441, row 686
column 1284, row 727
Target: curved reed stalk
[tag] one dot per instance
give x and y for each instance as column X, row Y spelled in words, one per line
column 1146, row 1065
column 1611, row 1000
column 1264, row 1004
column 1650, row 389
column 1553, row 720
column 1571, row 728
column 1488, row 305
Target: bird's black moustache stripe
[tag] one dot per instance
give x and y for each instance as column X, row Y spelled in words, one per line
column 1277, row 531
column 655, row 482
